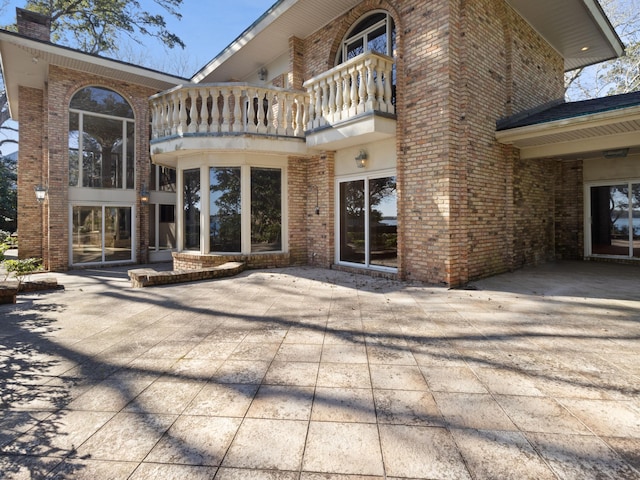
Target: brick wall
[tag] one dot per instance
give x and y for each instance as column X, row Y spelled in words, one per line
column 30, row 174
column 320, row 228
column 298, row 205
column 462, row 200
column 51, row 122
column 569, row 208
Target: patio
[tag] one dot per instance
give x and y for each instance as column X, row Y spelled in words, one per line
column 303, row 373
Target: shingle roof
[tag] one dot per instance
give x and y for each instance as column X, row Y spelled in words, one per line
column 565, row 110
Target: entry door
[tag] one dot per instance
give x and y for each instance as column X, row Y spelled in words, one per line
column 368, row 222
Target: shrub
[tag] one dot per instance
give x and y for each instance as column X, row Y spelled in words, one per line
column 22, row 268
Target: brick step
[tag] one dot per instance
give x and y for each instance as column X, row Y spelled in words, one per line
column 147, row 277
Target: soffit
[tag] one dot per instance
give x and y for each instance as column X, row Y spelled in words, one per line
column 576, row 137
column 571, row 25
column 268, row 37
column 25, row 62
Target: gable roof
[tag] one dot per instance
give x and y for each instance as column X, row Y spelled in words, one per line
column 25, row 62
column 577, row 29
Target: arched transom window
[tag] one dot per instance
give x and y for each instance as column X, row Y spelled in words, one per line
column 374, row 33
column 101, row 140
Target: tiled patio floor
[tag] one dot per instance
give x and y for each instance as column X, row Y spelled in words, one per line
column 315, row 374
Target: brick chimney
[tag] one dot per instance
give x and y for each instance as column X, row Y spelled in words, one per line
column 33, row 24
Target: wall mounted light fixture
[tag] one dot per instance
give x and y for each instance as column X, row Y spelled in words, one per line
column 361, row 159
column 41, row 193
column 144, row 195
column 262, row 74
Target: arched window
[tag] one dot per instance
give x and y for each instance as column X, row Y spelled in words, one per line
column 374, row 33
column 101, row 140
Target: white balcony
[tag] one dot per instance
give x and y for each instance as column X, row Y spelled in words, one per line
column 352, row 103
column 226, row 117
column 347, row 105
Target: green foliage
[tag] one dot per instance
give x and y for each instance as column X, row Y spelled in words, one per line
column 8, row 195
column 94, row 26
column 21, row 268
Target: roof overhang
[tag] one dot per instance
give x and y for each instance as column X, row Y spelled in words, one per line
column 577, row 136
column 268, row 37
column 568, row 25
column 25, row 62
column 578, row 29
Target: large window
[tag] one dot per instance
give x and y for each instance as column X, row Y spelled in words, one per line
column 101, row 234
column 266, row 209
column 101, row 140
column 368, row 222
column 191, row 205
column 244, row 209
column 225, row 209
column 374, row 33
column 615, row 219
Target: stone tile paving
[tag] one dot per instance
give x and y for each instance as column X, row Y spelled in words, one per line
column 312, row 374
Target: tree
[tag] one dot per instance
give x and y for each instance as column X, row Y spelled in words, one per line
column 8, row 193
column 621, row 75
column 94, row 26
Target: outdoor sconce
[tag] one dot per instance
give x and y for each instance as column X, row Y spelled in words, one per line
column 361, row 159
column 262, row 74
column 144, row 195
column 41, row 193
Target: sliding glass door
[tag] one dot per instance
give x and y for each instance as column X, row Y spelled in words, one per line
column 615, row 219
column 368, row 222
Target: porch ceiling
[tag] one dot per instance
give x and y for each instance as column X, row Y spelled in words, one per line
column 576, row 137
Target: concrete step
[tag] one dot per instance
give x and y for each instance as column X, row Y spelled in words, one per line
column 147, row 277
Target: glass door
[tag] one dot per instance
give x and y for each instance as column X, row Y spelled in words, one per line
column 368, row 222
column 615, row 220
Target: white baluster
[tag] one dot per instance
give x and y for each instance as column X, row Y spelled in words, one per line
column 225, row 113
column 193, row 111
column 237, row 113
column 380, row 105
column 270, row 100
column 318, row 120
column 182, row 125
column 339, row 101
column 204, row 111
column 388, row 78
column 371, row 88
column 312, row 108
column 353, row 107
column 299, row 126
column 175, row 109
column 362, row 88
column 346, row 94
column 331, row 110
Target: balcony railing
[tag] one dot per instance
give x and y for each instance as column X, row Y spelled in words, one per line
column 360, row 85
column 228, row 108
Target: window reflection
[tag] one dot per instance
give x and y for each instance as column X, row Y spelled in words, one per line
column 225, row 213
column 191, row 195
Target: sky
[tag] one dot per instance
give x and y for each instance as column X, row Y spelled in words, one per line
column 206, row 28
